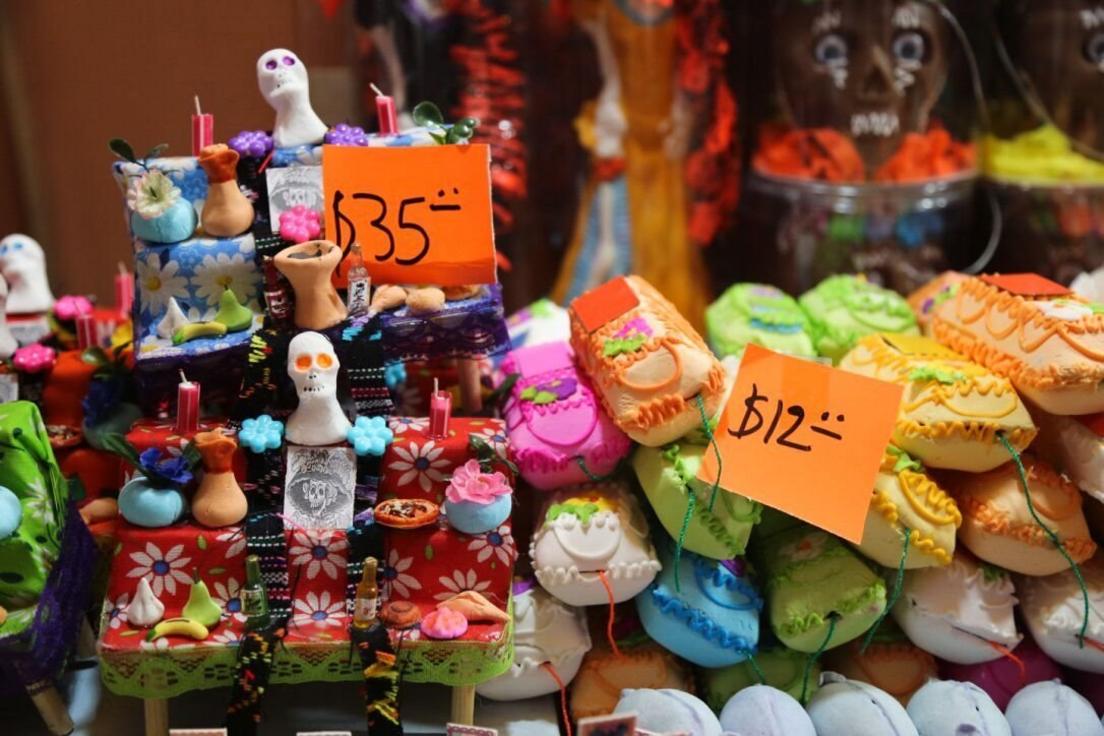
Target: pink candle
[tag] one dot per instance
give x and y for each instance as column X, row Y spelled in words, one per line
column 203, row 129
column 87, row 336
column 385, row 111
column 124, row 291
column 440, row 411
column 187, row 406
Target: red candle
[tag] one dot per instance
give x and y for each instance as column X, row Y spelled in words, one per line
column 86, row 332
column 124, row 291
column 440, row 411
column 385, row 111
column 203, row 129
column 187, row 406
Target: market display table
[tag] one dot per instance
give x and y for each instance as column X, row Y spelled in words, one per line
column 424, row 565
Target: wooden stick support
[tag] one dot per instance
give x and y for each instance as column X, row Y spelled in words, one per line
column 463, row 705
column 471, row 388
column 54, row 711
column 157, row 716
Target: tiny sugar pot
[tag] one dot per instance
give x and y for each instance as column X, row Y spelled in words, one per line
column 477, row 502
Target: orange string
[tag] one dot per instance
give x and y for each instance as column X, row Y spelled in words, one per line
column 1006, row 652
column 609, row 621
column 563, row 694
column 1095, row 644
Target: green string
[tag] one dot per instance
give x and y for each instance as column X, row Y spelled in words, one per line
column 708, row 430
column 832, row 618
column 755, row 668
column 587, row 472
column 898, row 584
column 691, row 503
column 1052, row 534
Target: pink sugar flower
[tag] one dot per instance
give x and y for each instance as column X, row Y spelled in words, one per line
column 70, row 307
column 300, row 224
column 35, row 358
column 470, row 483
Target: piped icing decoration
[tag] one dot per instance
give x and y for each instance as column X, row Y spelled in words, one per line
column 629, row 339
column 952, row 409
column 1047, row 340
column 844, row 308
column 551, row 391
column 469, row 483
column 444, row 623
column 759, row 314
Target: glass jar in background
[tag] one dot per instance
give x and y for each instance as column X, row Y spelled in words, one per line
column 1044, row 155
column 864, row 155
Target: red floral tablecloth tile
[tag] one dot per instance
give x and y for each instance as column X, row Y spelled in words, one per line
column 161, row 433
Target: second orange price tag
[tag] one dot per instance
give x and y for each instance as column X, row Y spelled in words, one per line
column 805, row 439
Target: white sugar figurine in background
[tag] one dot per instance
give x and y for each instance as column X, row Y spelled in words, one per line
column 7, row 340
column 23, row 265
column 283, row 80
column 313, row 366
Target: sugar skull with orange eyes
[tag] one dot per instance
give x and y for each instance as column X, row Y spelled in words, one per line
column 869, row 69
column 1056, row 48
column 313, row 367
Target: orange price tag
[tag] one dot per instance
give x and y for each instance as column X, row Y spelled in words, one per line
column 422, row 215
column 805, row 439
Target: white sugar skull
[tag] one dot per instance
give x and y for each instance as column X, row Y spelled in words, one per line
column 23, row 266
column 313, row 367
column 7, row 341
column 283, row 80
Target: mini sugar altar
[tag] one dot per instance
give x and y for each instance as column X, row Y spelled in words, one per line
column 865, row 162
column 275, row 498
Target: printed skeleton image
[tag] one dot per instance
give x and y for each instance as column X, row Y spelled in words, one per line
column 313, row 367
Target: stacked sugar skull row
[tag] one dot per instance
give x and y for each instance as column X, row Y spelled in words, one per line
column 949, row 481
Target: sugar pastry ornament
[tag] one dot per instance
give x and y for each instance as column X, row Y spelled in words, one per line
column 1051, row 709
column 762, row 710
column 843, row 707
column 889, row 662
column 1047, row 340
column 313, row 367
column 8, row 345
column 1005, row 676
column 761, row 315
column 948, row 707
column 952, row 409
column 844, row 308
column 654, row 374
column 1054, row 610
column 605, row 675
column 282, row 78
column 589, row 537
column 711, row 618
column 998, row 526
column 1075, row 446
column 669, row 711
column 906, row 497
column 782, row 668
column 961, row 612
column 23, row 266
column 546, row 634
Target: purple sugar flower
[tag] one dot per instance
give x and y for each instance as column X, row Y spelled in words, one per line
column 254, row 143
column 343, row 134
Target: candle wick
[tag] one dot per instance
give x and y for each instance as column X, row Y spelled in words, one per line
column 435, row 386
column 122, row 269
column 183, row 378
column 377, row 90
column 199, row 111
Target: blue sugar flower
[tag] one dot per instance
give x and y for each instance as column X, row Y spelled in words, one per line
column 173, row 470
column 370, row 436
column 262, row 433
column 394, row 375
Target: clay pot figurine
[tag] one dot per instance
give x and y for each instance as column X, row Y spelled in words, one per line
column 219, row 501
column 309, row 266
column 226, row 211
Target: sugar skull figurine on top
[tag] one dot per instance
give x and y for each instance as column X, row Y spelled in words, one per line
column 282, row 77
column 23, row 266
column 313, row 366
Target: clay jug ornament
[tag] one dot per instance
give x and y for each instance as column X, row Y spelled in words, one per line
column 8, row 344
column 23, row 266
column 313, row 367
column 219, row 501
column 283, row 81
column 226, row 211
column 309, row 267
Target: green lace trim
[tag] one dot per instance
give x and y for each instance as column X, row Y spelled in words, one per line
column 802, row 624
column 166, row 674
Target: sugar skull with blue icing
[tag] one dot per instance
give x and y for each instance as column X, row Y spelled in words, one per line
column 711, row 617
column 592, row 546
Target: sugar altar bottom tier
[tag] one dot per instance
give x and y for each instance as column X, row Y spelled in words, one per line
column 418, row 566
